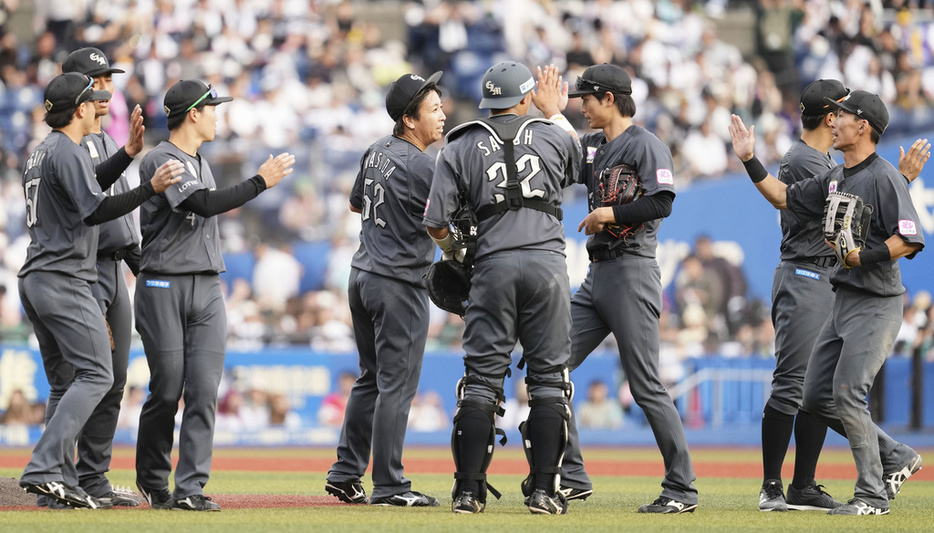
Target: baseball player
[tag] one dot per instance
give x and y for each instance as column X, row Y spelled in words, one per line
column 802, row 298
column 622, row 293
column 180, row 313
column 64, row 203
column 388, row 301
column 118, row 241
column 855, row 340
column 520, row 288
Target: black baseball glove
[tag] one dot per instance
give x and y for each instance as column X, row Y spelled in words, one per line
column 846, row 224
column 448, row 284
column 619, row 186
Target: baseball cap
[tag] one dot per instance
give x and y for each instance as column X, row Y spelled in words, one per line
column 69, row 90
column 90, row 61
column 185, row 95
column 602, row 78
column 864, row 105
column 505, row 84
column 403, row 90
column 812, row 98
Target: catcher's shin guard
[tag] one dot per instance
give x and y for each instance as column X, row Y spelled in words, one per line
column 472, row 441
column 545, row 437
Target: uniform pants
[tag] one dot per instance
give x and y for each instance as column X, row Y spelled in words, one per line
column 183, row 324
column 390, row 321
column 850, row 350
column 76, row 355
column 623, row 296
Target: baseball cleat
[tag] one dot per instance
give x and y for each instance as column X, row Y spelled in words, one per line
column 893, row 481
column 64, row 494
column 541, row 503
column 157, row 498
column 772, row 497
column 810, row 498
column 664, row 505
column 120, row 497
column 197, row 502
column 347, row 491
column 858, row 507
column 572, row 493
column 406, row 499
column 467, row 503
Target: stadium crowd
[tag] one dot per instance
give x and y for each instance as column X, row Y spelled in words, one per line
column 308, row 76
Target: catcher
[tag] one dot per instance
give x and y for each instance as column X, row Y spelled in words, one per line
column 860, row 332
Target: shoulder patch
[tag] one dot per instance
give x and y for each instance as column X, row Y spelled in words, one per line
column 832, row 187
column 92, row 150
column 664, row 176
column 191, row 169
column 591, row 152
column 907, row 227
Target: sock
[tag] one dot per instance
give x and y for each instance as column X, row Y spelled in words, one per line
column 776, row 434
column 809, row 439
column 545, row 423
column 472, row 433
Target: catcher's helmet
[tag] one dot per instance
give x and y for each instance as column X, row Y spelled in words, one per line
column 505, row 84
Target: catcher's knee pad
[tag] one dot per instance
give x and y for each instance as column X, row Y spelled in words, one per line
column 475, row 419
column 545, row 439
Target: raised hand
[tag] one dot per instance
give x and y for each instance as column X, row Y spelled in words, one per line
column 910, row 164
column 744, row 141
column 275, row 168
column 135, row 143
column 551, row 94
column 167, row 175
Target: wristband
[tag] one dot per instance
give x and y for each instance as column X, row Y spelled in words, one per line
column 870, row 257
column 756, row 171
column 446, row 244
column 562, row 122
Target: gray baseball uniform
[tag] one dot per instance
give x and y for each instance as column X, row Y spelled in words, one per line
column 389, row 308
column 855, row 341
column 520, row 290
column 622, row 295
column 181, row 318
column 55, row 286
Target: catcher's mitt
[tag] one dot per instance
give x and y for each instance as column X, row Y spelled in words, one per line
column 846, row 223
column 620, row 185
column 448, row 284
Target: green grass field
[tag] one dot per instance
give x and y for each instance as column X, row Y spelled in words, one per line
column 726, row 504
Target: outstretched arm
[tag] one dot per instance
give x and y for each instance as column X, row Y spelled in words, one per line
column 744, row 142
column 551, row 97
column 910, row 164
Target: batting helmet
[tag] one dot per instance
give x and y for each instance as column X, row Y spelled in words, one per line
column 505, row 84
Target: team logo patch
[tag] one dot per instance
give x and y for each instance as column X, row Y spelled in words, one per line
column 93, row 150
column 527, row 86
column 832, row 187
column 158, row 283
column 907, row 227
column 591, row 152
column 807, row 273
column 664, row 176
column 191, row 169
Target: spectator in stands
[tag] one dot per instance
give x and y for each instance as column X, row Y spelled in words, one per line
column 281, row 414
column 331, row 412
column 599, row 411
column 19, row 411
column 427, row 413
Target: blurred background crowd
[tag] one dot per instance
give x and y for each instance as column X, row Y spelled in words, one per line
column 308, row 77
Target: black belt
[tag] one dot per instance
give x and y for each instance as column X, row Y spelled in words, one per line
column 198, row 273
column 115, row 256
column 823, row 261
column 605, row 254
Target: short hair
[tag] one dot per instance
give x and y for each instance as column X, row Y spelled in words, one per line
column 173, row 123
column 624, row 103
column 412, row 109
column 59, row 119
column 812, row 122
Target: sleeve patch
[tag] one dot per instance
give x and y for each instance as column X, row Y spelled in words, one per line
column 907, row 227
column 591, row 151
column 664, row 176
column 427, row 205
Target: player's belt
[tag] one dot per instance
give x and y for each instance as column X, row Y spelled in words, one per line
column 116, row 256
column 605, row 254
column 823, row 261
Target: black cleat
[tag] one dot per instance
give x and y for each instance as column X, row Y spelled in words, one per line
column 157, row 498
column 467, row 503
column 198, row 502
column 810, row 498
column 406, row 499
column 772, row 497
column 63, row 494
column 347, row 491
column 541, row 503
column 575, row 493
column 663, row 505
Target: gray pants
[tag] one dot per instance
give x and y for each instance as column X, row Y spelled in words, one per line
column 183, row 324
column 390, row 319
column 76, row 354
column 850, row 350
column 623, row 296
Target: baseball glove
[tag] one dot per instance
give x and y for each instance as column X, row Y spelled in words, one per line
column 619, row 186
column 846, row 223
column 448, row 284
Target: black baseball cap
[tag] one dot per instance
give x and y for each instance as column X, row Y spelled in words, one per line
column 90, row 61
column 185, row 95
column 69, row 90
column 812, row 98
column 599, row 79
column 403, row 90
column 864, row 105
